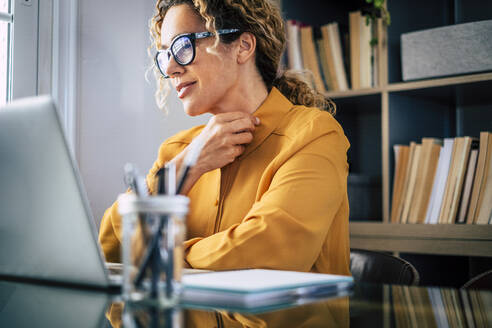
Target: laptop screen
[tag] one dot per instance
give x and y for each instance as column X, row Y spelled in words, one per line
column 46, row 227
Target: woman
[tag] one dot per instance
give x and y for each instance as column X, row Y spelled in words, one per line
column 269, row 189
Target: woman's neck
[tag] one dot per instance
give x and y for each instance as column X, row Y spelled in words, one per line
column 246, row 96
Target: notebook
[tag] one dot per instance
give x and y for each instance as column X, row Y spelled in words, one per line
column 257, row 288
column 47, row 230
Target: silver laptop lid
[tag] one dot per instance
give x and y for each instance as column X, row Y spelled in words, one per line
column 46, row 227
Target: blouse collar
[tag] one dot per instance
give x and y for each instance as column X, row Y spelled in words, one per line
column 271, row 112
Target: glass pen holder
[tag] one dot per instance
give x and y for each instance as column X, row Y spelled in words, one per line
column 154, row 230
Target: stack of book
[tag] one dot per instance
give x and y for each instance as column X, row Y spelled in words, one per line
column 325, row 54
column 446, row 181
column 433, row 307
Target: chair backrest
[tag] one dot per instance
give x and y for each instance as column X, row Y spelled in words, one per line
column 482, row 281
column 376, row 267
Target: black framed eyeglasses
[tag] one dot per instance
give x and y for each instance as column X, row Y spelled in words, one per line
column 183, row 49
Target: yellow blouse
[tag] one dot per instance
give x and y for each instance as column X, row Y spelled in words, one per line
column 282, row 204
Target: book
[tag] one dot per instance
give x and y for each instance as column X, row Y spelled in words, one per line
column 310, row 59
column 467, row 187
column 477, row 182
column 365, row 53
column 402, row 153
column 484, row 204
column 425, row 177
column 294, row 56
column 406, row 180
column 336, row 47
column 330, row 61
column 325, row 66
column 411, row 184
column 354, row 30
column 458, row 177
column 255, row 288
column 450, row 180
column 437, row 194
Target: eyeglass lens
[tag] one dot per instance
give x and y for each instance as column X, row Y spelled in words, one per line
column 181, row 50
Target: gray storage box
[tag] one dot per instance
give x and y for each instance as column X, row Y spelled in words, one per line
column 450, row 50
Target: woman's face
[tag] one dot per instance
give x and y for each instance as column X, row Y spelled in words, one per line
column 206, row 85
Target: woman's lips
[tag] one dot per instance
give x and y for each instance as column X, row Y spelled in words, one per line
column 185, row 89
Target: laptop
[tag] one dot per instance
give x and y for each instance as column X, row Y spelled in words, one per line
column 46, row 227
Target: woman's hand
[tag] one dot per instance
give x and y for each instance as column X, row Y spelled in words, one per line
column 225, row 137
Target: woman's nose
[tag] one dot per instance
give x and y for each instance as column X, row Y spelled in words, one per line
column 173, row 67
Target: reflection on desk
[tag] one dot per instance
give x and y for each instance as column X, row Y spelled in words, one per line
column 323, row 313
column 30, row 305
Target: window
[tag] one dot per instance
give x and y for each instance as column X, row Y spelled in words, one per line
column 5, row 19
column 38, row 53
column 18, row 49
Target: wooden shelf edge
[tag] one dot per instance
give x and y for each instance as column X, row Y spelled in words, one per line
column 425, row 246
column 353, row 93
column 405, row 86
column 438, row 82
column 421, row 231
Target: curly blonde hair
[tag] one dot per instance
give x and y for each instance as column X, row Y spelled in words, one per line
column 261, row 18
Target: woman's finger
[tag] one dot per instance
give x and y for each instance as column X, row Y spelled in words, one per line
column 242, row 138
column 237, row 126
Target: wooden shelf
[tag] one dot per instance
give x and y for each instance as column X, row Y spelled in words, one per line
column 417, row 85
column 443, row 239
column 353, row 93
column 430, row 83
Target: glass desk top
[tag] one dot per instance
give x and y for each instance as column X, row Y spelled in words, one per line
column 35, row 305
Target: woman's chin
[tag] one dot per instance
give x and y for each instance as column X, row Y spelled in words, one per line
column 192, row 110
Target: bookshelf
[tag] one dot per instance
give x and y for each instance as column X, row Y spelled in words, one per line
column 397, row 112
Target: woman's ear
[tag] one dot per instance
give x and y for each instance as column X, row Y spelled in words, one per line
column 247, row 47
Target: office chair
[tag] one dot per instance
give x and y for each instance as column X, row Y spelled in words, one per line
column 376, row 267
column 481, row 281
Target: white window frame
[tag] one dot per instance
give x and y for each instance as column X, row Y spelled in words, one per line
column 64, row 61
column 24, row 53
column 44, row 55
column 7, row 17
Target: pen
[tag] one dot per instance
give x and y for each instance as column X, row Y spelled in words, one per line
column 153, row 250
column 170, row 174
column 133, row 181
column 139, row 187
